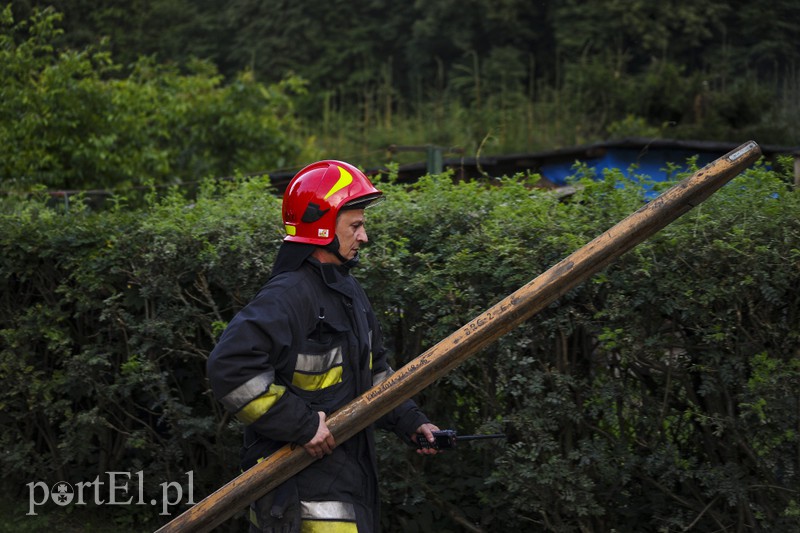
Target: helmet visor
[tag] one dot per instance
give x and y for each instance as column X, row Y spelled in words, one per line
column 363, row 202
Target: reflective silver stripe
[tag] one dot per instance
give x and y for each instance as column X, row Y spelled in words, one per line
column 318, row 363
column 381, row 376
column 330, row 510
column 246, row 392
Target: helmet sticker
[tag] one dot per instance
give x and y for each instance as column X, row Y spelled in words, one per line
column 323, row 233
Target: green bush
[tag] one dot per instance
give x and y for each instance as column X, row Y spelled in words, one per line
column 660, row 395
column 635, row 403
column 72, row 121
column 107, row 321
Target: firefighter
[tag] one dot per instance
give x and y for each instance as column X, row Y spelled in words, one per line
column 305, row 346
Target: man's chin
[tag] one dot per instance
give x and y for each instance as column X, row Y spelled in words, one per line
column 353, row 261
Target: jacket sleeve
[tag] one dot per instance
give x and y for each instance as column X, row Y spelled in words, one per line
column 242, row 371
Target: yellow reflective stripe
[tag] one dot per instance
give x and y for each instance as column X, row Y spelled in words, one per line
column 345, row 179
column 290, row 230
column 370, row 349
column 256, row 408
column 312, row 382
column 327, row 526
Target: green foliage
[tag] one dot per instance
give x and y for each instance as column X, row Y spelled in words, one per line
column 661, row 395
column 107, row 319
column 114, row 96
column 75, row 123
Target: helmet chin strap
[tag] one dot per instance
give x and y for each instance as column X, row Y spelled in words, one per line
column 333, row 247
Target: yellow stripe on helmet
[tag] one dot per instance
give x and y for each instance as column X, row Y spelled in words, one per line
column 345, row 179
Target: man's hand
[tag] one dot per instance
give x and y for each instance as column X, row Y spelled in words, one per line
column 425, row 430
column 322, row 444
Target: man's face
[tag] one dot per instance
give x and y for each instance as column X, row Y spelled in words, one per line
column 351, row 232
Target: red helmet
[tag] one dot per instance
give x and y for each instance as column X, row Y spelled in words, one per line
column 315, row 196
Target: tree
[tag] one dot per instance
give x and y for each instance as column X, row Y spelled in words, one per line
column 76, row 123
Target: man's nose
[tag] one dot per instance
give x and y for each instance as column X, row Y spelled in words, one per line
column 362, row 235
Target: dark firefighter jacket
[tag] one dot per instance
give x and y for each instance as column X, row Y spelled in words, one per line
column 309, row 341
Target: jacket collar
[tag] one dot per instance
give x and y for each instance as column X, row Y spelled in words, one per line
column 337, row 277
